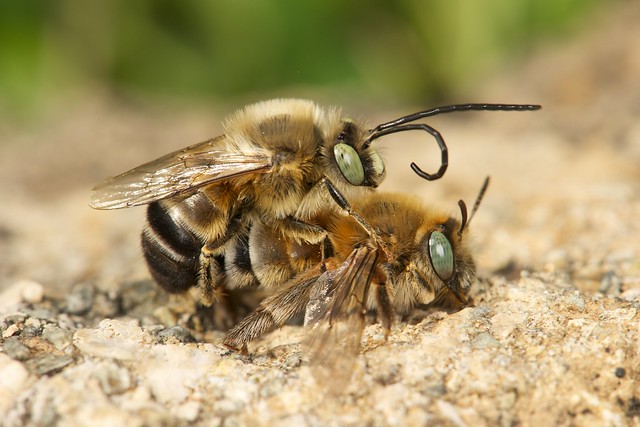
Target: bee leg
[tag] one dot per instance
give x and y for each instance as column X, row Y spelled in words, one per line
column 269, row 256
column 344, row 204
column 383, row 302
column 326, row 251
column 211, row 273
column 301, row 231
column 274, row 311
column 210, row 276
column 222, row 307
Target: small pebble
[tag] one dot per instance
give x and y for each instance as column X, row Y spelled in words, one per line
column 105, row 305
column 112, row 378
column 188, row 411
column 293, row 360
column 21, row 291
column 48, row 364
column 165, row 315
column 13, row 378
column 15, row 349
column 32, row 292
column 610, row 284
column 41, row 314
column 631, row 294
column 138, row 294
column 80, row 299
column 10, row 331
column 113, row 339
column 33, row 322
column 30, row 331
column 16, row 318
column 576, row 300
column 484, row 340
column 620, row 372
column 175, row 334
column 59, row 337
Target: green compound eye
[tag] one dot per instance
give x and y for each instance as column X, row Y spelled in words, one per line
column 441, row 255
column 378, row 164
column 349, row 163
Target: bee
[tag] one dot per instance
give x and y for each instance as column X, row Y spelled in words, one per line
column 390, row 254
column 273, row 164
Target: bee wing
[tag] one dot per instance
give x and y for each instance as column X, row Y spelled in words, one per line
column 179, row 172
column 337, row 310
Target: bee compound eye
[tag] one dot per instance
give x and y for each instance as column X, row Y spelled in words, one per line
column 378, row 164
column 441, row 255
column 349, row 163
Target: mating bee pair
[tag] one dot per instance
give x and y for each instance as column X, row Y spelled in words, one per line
column 264, row 205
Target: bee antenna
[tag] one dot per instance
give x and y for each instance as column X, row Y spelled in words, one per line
column 382, row 130
column 466, row 220
column 463, row 214
column 400, row 125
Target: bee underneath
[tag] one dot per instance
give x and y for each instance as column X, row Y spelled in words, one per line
column 275, row 165
column 391, row 254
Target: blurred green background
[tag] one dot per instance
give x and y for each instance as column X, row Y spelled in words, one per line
column 206, row 51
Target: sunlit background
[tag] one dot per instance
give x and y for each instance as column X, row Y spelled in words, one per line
column 159, row 51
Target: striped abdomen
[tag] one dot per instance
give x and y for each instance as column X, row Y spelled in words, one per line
column 172, row 251
column 185, row 240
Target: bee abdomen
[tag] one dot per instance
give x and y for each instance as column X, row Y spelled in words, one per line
column 172, row 251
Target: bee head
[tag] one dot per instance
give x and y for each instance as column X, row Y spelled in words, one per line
column 357, row 162
column 448, row 257
column 450, row 269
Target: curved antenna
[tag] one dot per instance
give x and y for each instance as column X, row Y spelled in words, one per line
column 466, row 220
column 400, row 125
column 444, row 160
column 463, row 215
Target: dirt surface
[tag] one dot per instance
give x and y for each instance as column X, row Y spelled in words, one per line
column 554, row 337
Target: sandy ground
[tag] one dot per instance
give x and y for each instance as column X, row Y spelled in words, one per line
column 554, row 338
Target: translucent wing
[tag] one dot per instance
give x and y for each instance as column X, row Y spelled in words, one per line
column 179, row 172
column 336, row 309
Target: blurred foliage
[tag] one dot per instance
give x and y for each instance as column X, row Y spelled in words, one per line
column 406, row 49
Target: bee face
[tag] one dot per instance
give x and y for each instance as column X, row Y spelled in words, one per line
column 444, row 262
column 350, row 156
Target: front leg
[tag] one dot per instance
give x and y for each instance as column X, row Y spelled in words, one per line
column 324, row 194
